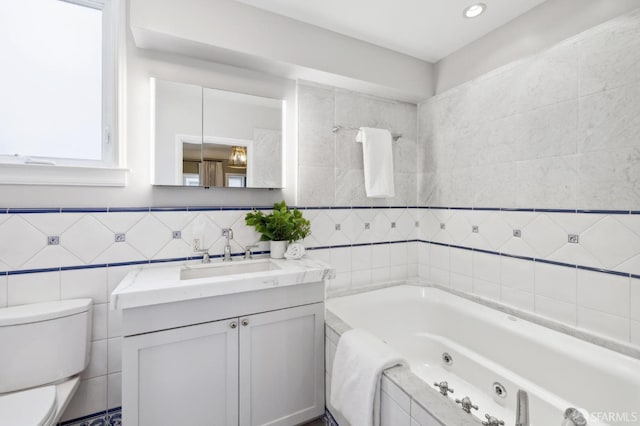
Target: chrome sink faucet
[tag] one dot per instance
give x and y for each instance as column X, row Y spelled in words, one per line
column 228, row 234
column 522, row 408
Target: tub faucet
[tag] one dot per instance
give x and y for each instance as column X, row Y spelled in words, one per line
column 228, row 234
column 522, row 408
column 444, row 387
column 573, row 417
column 466, row 404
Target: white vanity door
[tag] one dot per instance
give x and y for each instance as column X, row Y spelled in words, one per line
column 282, row 366
column 182, row 376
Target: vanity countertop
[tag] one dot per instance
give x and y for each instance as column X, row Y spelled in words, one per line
column 156, row 285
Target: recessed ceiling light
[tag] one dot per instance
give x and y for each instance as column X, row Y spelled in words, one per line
column 474, row 10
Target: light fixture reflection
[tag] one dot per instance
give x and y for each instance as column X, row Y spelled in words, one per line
column 238, row 157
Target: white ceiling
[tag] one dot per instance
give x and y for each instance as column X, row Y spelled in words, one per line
column 425, row 29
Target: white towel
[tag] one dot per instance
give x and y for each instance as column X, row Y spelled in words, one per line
column 355, row 380
column 378, row 162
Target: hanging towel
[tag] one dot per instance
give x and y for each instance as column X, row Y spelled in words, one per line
column 378, row 162
column 355, row 380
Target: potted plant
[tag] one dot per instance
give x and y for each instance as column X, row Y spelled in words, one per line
column 280, row 227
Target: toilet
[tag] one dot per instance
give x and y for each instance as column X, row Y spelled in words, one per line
column 43, row 349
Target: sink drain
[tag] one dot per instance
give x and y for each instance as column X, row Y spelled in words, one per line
column 448, row 359
column 499, row 390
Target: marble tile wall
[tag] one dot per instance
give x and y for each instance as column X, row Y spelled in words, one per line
column 330, row 165
column 556, row 130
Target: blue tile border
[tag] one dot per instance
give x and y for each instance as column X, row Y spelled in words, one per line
column 110, row 417
column 329, row 420
column 534, row 259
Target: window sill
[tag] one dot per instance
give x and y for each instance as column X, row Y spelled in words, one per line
column 39, row 174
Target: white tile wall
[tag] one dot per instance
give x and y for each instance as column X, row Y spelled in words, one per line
column 600, row 302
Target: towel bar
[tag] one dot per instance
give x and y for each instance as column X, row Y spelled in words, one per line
column 394, row 136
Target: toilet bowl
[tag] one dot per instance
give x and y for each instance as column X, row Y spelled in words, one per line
column 45, row 347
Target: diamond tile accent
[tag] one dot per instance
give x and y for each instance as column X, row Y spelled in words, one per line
column 120, row 222
column 458, row 227
column 495, row 230
column 575, row 254
column 87, row 238
column 405, row 228
column 52, row 223
column 322, row 228
column 544, row 236
column 610, row 241
column 148, row 236
column 353, row 227
column 25, row 240
column 381, row 227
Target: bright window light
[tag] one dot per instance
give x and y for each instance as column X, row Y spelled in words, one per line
column 51, row 79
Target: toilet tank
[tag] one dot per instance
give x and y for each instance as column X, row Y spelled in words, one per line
column 44, row 342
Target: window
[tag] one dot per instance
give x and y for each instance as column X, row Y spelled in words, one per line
column 57, row 83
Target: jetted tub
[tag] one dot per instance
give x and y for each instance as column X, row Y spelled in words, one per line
column 486, row 346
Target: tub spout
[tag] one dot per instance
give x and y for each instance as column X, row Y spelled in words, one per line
column 522, row 408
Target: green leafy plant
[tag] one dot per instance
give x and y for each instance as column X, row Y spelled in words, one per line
column 283, row 224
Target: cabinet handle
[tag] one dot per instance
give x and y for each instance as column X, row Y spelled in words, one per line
column 245, row 322
column 233, row 324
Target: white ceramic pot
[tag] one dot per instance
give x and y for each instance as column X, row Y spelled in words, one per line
column 278, row 248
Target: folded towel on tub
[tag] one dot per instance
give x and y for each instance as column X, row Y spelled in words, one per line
column 357, row 370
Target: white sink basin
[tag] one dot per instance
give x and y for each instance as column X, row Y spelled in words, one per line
column 227, row 268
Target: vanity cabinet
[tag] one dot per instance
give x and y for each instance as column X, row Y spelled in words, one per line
column 250, row 370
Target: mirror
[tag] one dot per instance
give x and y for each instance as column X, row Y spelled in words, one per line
column 215, row 138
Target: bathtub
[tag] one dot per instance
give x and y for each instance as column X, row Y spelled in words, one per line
column 486, row 346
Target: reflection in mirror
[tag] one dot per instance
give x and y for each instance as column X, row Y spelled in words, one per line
column 239, row 144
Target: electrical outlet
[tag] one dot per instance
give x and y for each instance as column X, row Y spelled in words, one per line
column 53, row 240
column 367, row 225
column 338, row 227
column 120, row 238
column 393, row 224
column 517, row 233
column 573, row 239
column 176, row 235
column 196, row 244
column 475, row 229
column 443, row 226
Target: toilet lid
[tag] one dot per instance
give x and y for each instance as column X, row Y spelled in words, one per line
column 34, row 407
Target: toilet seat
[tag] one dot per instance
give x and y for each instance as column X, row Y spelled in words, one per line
column 33, row 407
